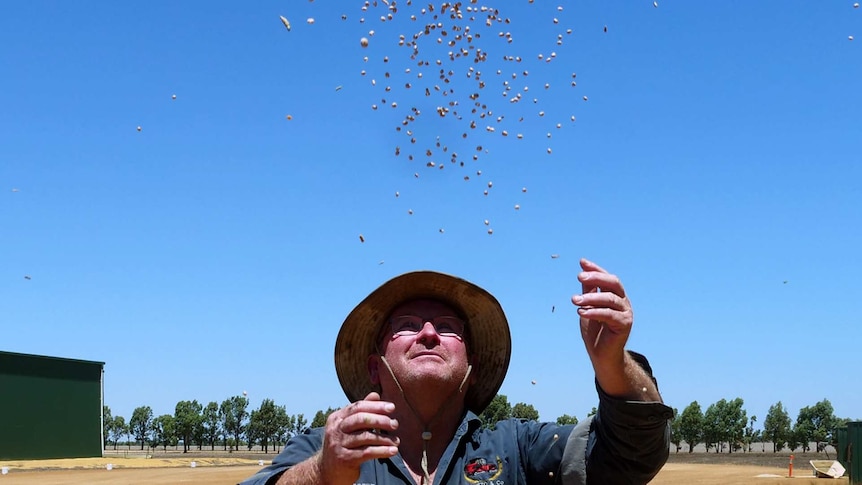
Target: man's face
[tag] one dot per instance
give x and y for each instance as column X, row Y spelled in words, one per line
column 423, row 342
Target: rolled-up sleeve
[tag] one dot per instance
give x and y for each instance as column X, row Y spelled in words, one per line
column 298, row 449
column 626, row 442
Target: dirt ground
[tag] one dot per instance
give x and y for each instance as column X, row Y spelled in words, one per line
column 229, row 471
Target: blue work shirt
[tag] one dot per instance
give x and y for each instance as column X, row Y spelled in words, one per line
column 626, row 442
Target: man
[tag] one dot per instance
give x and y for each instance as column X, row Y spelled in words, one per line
column 425, row 353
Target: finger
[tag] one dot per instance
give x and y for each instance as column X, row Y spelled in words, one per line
column 366, row 421
column 588, row 265
column 602, row 281
column 374, row 452
column 606, row 315
column 367, row 438
column 371, row 404
column 605, row 299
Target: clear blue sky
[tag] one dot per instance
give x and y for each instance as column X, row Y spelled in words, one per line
column 715, row 166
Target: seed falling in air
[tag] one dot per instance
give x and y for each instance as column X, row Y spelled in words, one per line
column 363, row 42
column 361, row 238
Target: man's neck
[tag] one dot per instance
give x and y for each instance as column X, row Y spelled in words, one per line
column 441, row 421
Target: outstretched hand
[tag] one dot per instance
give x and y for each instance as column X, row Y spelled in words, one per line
column 606, row 320
column 605, row 313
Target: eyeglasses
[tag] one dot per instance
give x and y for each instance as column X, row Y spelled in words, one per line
column 409, row 325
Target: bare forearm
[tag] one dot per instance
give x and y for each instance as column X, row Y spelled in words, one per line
column 304, row 473
column 623, row 378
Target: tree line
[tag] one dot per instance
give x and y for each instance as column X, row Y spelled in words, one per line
column 724, row 426
column 229, row 425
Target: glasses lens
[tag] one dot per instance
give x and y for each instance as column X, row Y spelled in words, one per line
column 449, row 326
column 406, row 325
column 446, row 326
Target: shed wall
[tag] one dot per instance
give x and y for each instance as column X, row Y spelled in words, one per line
column 50, row 407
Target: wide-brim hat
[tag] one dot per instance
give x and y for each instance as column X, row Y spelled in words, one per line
column 490, row 343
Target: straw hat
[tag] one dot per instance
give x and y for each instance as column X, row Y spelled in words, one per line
column 489, row 340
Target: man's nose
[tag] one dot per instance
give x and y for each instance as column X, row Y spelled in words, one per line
column 428, row 333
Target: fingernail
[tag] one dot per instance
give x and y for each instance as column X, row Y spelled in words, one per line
column 389, row 407
column 578, row 299
column 393, row 423
column 582, row 310
column 393, row 450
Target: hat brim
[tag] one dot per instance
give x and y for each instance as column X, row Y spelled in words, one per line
column 490, row 341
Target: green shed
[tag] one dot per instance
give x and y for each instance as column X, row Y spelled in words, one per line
column 51, row 407
column 841, row 434
column 853, row 450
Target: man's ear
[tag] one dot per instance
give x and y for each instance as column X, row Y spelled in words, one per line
column 374, row 369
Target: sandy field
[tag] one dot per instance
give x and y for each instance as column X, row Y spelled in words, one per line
column 229, row 471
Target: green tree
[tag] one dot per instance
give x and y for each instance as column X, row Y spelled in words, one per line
column 211, row 422
column 713, row 434
column 320, row 417
column 299, row 425
column 141, row 423
column 118, row 429
column 750, row 434
column 525, row 411
column 498, row 410
column 734, row 420
column 797, row 438
column 163, row 431
column 265, row 422
column 252, row 431
column 187, row 416
column 234, row 411
column 691, row 425
column 107, row 425
column 816, row 423
column 776, row 427
column 675, row 436
column 724, row 423
column 283, row 426
column 566, row 419
column 593, row 412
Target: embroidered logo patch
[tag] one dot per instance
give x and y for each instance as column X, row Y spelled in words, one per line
column 479, row 470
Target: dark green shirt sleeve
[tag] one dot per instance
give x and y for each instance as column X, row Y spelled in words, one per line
column 626, row 442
